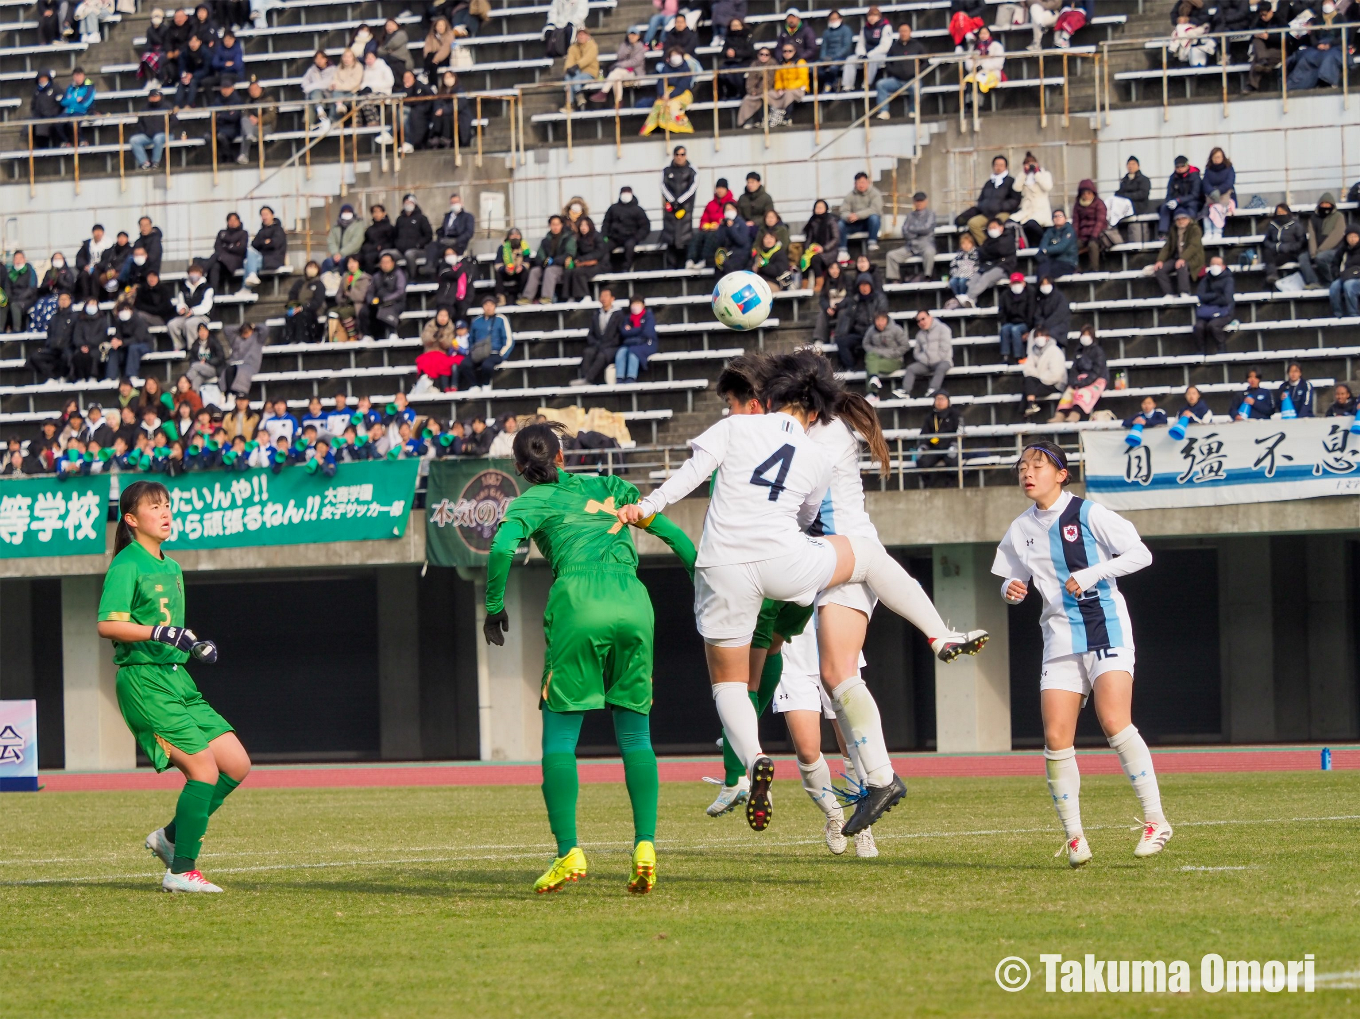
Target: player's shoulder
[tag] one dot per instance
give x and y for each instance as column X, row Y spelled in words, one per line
column 1098, row 515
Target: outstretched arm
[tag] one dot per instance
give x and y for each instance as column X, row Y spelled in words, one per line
column 692, row 473
column 676, row 539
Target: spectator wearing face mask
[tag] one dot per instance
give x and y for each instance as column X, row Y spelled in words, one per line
column 413, row 233
column 1286, row 240
column 344, row 239
column 454, row 284
column 129, row 343
column 455, row 230
column 837, row 45
column 1052, row 313
column 996, row 261
column 20, row 286
column 1216, row 307
column 91, row 330
column 734, row 238
column 1326, row 235
column 1044, row 372
column 135, row 269
column 59, row 278
column 193, row 304
column 1058, row 248
column 625, row 226
column 1322, row 51
column 1086, row 380
column 637, row 341
column 872, row 43
column 514, row 261
column 998, row 200
column 1015, row 311
column 573, row 212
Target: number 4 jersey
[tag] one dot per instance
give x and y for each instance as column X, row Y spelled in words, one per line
column 771, row 479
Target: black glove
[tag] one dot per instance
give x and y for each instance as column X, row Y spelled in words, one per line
column 181, row 638
column 204, row 651
column 495, row 628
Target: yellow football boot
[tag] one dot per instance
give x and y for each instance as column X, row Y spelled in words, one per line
column 564, row 870
column 644, row 869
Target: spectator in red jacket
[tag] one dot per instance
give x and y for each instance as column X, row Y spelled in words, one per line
column 1090, row 220
column 703, row 244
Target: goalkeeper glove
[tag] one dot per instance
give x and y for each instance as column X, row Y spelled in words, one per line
column 495, row 628
column 181, row 638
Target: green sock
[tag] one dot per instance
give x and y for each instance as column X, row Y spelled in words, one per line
column 226, row 785
column 561, row 730
column 191, row 824
column 633, row 732
column 761, row 700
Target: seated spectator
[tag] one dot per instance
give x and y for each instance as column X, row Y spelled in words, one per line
column 996, row 261
column 902, row 65
column 229, row 254
column 772, row 222
column 933, row 356
column 129, row 343
column 885, row 349
column 455, row 230
column 46, row 105
column 1216, row 307
column 831, row 295
column 228, row 60
column 450, row 115
column 206, row 358
column 1149, row 415
column 630, row 62
column 1042, row 14
column 268, row 250
column 1265, row 47
column 963, row 266
column 1219, row 175
column 855, row 317
column 503, row 445
column 1345, row 288
column 454, row 284
column 626, row 225
column 1090, row 221
column 637, row 341
column 343, row 322
column 438, row 360
column 50, row 22
column 151, row 130
column 1035, row 214
column 1326, row 237
column 770, row 260
column 50, row 360
column 346, row 83
column 1256, row 403
column 1136, row 189
column 986, row 62
column 1217, row 209
column 583, row 65
column 135, row 269
column 60, row 278
column 1323, row 51
column 918, row 236
column 377, row 81
column 1182, row 256
column 821, row 238
column 79, row 95
column 154, row 300
column 1184, row 191
column 438, row 48
column 257, row 120
column 679, row 36
column 227, row 108
column 1192, row 44
column 1052, row 313
column 837, row 45
column 1059, row 246
column 514, row 259
column 759, row 83
column 193, row 303
column 20, row 288
column 1015, row 313
column 1196, row 408
column 1286, row 240
column 345, row 239
column 591, row 252
column 193, row 69
column 306, row 300
column 755, row 201
column 1044, row 372
column 91, row 329
column 1343, row 402
column 602, row 341
column 734, row 242
column 490, row 342
column 395, row 48
column 170, row 46
column 872, row 43
column 246, row 344
column 939, row 443
column 413, row 233
column 556, row 248
column 863, row 205
column 1086, row 380
column 204, row 26
column 998, row 200
column 316, row 85
column 674, row 94
column 1298, row 390
column 379, row 236
column 386, row 299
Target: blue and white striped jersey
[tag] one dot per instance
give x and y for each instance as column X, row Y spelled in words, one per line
column 1074, row 538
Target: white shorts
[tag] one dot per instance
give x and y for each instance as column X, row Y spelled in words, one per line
column 1078, row 673
column 853, row 596
column 800, row 683
column 727, row 599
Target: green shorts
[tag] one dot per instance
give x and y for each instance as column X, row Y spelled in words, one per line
column 598, row 630
column 163, row 708
column 781, row 618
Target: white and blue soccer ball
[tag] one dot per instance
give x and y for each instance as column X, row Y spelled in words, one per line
column 742, row 300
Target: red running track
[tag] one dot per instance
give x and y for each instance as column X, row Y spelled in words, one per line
column 457, row 773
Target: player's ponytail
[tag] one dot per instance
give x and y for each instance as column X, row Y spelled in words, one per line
column 802, row 379
column 133, row 496
column 536, row 448
column 859, row 414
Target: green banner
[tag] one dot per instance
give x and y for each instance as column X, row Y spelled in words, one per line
column 44, row 516
column 464, row 504
column 365, row 501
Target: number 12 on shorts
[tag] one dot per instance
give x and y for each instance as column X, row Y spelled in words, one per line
column 783, row 458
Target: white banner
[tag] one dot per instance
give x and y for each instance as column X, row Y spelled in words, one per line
column 1219, row 464
column 18, row 746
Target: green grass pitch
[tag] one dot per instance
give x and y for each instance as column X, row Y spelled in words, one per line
column 417, row 902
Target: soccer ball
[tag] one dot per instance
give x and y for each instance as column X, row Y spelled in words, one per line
column 742, row 300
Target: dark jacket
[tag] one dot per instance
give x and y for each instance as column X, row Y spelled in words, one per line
column 229, row 59
column 1137, row 189
column 771, row 264
column 413, row 231
column 624, row 221
column 134, row 330
column 1300, row 394
column 640, row 339
column 1233, row 15
column 900, row 63
column 1285, row 239
column 743, row 50
column 678, row 184
column 61, row 328
column 152, row 120
column 823, row 230
column 998, row 252
column 388, row 288
column 229, row 109
column 310, row 293
column 45, row 105
column 154, row 301
column 21, row 286
column 1263, row 403
column 1215, row 295
column 154, row 243
column 1088, row 366
column 1348, row 265
column 591, row 247
column 1222, row 179
column 458, row 230
column 993, row 200
column 555, row 248
column 207, row 352
column 1342, row 408
column 609, row 338
column 454, row 285
column 1157, row 417
column 858, row 311
column 230, row 247
column 945, row 422
column 688, row 40
column 1053, row 314
column 1185, row 190
column 272, row 243
column 90, row 331
column 1060, row 243
column 379, row 236
column 58, row 281
column 735, row 237
column 1017, row 309
column 752, row 205
column 804, row 40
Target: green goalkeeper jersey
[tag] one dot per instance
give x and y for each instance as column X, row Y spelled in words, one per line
column 139, row 588
column 574, row 522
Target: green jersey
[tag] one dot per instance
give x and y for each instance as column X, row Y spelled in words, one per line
column 139, row 588
column 575, row 523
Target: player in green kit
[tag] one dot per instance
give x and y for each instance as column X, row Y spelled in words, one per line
column 142, row 612
column 598, row 628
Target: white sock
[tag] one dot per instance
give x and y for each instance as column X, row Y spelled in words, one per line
column 1064, row 785
column 1137, row 761
column 817, row 783
column 857, row 713
column 895, row 587
column 741, row 727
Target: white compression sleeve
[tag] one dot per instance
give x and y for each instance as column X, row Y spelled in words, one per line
column 1136, row 760
column 817, row 784
column 741, row 727
column 895, row 587
column 1129, row 561
column 692, row 473
column 1064, row 785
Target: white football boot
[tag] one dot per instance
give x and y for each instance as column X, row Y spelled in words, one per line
column 161, row 846
column 1078, row 852
column 835, row 841
column 864, row 844
column 729, row 796
column 1156, row 834
column 193, row 881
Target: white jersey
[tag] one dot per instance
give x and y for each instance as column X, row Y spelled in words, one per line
column 770, row 482
column 1074, row 538
column 842, row 510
